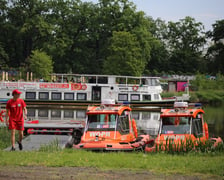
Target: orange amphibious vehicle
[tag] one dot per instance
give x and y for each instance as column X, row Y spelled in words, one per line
column 111, row 127
column 181, row 125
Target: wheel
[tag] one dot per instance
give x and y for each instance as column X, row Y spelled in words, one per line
column 76, row 136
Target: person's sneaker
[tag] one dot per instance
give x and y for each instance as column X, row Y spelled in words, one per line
column 13, row 149
column 20, row 146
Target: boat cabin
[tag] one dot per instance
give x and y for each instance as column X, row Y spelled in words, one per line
column 111, row 127
column 86, row 88
column 109, row 122
column 181, row 123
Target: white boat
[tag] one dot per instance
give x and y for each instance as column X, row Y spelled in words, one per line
column 147, row 122
column 81, row 88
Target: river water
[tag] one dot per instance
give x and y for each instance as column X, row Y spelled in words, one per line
column 147, row 122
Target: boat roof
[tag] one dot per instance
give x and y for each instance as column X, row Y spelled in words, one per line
column 111, row 109
column 181, row 113
column 97, row 75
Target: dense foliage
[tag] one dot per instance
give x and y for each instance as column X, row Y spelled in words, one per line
column 107, row 37
column 40, row 64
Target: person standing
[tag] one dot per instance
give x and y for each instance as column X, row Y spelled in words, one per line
column 15, row 110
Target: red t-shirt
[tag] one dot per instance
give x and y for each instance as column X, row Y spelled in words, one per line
column 15, row 109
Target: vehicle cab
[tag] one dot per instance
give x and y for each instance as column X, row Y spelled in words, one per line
column 180, row 124
column 110, row 127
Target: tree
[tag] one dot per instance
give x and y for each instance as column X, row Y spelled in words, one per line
column 125, row 55
column 159, row 55
column 79, row 36
column 185, row 41
column 40, row 64
column 3, row 58
column 215, row 53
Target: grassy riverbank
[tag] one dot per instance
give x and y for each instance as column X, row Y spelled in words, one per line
column 203, row 165
column 210, row 97
column 204, row 90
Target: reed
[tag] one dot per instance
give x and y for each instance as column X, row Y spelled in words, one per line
column 189, row 146
column 51, row 147
column 5, row 135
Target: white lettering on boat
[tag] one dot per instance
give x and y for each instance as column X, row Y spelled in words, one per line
column 100, row 134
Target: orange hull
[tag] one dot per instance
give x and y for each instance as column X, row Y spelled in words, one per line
column 114, row 145
column 189, row 141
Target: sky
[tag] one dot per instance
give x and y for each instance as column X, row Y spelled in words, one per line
column 205, row 11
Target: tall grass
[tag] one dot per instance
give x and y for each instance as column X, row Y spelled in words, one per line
column 189, row 146
column 4, row 137
column 52, row 147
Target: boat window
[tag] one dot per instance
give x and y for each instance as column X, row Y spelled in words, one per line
column 81, row 96
column 43, row 113
column 102, row 122
column 133, row 81
column 43, row 95
column 135, row 97
column 68, row 114
column 175, row 125
column 156, row 96
column 80, row 114
column 92, row 80
column 153, row 82
column 69, row 96
column 122, row 97
column 30, row 95
column 143, row 81
column 156, row 116
column 197, row 129
column 123, row 124
column 135, row 115
column 146, row 97
column 31, row 112
column 121, row 80
column 146, row 115
column 56, row 113
column 56, row 96
column 102, row 80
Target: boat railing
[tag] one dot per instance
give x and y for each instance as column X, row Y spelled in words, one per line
column 38, row 85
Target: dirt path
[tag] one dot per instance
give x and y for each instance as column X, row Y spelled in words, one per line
column 21, row 173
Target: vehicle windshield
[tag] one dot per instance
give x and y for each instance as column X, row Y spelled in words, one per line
column 101, row 122
column 175, row 125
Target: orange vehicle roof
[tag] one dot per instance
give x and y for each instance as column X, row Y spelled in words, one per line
column 187, row 113
column 107, row 109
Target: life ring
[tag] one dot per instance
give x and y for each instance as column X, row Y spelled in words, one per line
column 135, row 88
column 76, row 86
column 2, row 114
column 84, row 87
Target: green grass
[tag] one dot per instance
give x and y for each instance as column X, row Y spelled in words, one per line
column 212, row 97
column 51, row 147
column 4, row 138
column 189, row 164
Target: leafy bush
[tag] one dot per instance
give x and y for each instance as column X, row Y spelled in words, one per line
column 41, row 64
column 207, row 90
